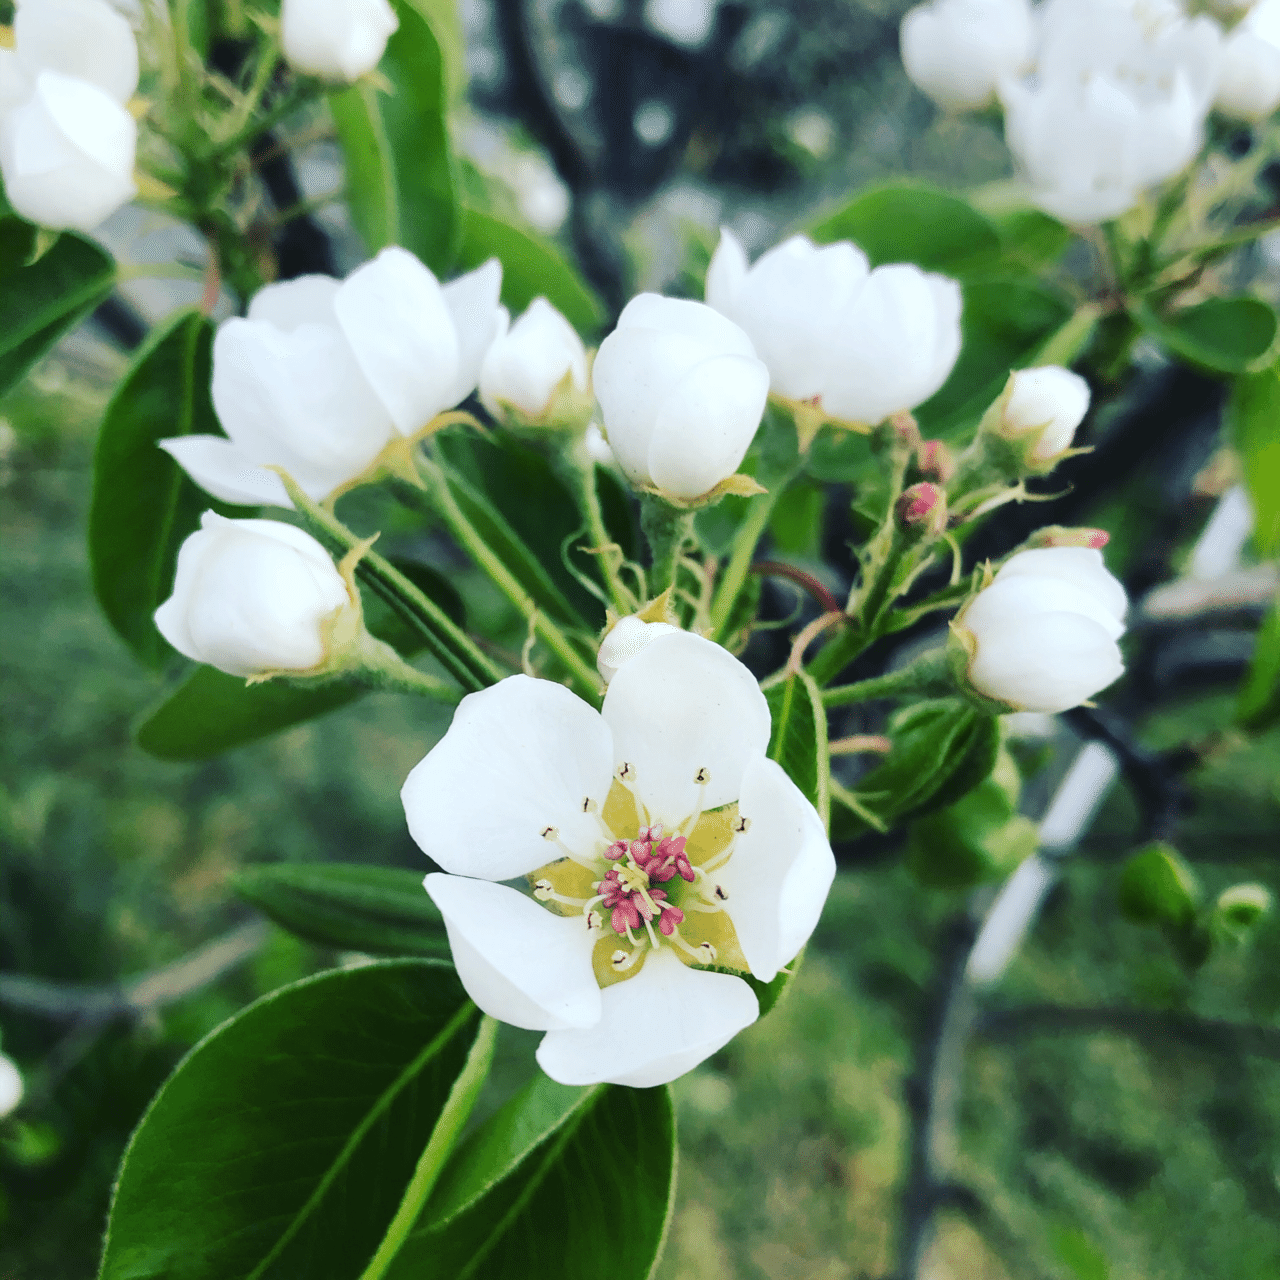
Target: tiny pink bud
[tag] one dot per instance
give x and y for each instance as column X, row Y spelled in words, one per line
column 1056, row 535
column 905, row 429
column 922, row 508
column 936, row 460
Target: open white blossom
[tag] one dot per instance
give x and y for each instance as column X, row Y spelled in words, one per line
column 529, row 360
column 252, row 597
column 1042, row 636
column 322, row 374
column 681, row 391
column 958, row 51
column 336, row 39
column 1249, row 86
column 660, row 842
column 67, row 143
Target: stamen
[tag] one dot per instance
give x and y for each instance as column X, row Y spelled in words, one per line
column 595, row 922
column 702, row 777
column 742, row 825
column 714, row 864
column 704, row 953
column 621, row 960
column 653, row 938
column 720, row 893
column 626, row 772
column 589, row 805
column 692, row 904
column 545, row 891
column 552, row 836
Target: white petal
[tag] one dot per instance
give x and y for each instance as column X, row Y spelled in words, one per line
column 518, row 757
column 628, row 637
column 653, row 1027
column 1081, row 566
column 86, row 39
column 781, row 870
column 716, row 333
column 394, row 314
column 681, row 705
column 1009, row 602
column 11, row 1087
column 472, row 300
column 527, row 361
column 521, row 963
column 725, row 274
column 336, row 39
column 220, row 469
column 290, row 303
column 706, row 423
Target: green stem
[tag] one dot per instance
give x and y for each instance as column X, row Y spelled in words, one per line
column 577, row 469
column 667, row 529
column 457, row 1108
column 445, row 505
column 928, row 676
column 383, row 668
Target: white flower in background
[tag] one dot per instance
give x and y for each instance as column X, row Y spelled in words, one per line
column 681, row 391
column 1042, row 636
column 67, row 143
column 628, row 637
column 322, row 374
column 597, row 447
column 252, row 597
column 1090, row 149
column 527, row 362
column 675, row 845
column 335, row 39
column 1043, row 408
column 11, row 1089
column 958, row 51
column 787, row 303
column 1249, row 87
column 893, row 346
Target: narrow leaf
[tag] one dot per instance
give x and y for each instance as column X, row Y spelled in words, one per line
column 282, row 1144
column 1254, row 413
column 799, row 738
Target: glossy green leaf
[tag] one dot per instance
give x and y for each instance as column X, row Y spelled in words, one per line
column 799, row 738
column 282, row 1144
column 1031, row 237
column 1258, row 706
column 1005, row 323
column 212, row 712
column 1254, row 414
column 144, row 505
column 942, row 749
column 394, row 133
column 42, row 299
column 1158, row 887
column 531, row 267
column 348, row 906
column 1222, row 335
column 561, row 1184
column 913, row 222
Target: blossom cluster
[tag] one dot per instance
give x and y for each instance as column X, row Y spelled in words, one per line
column 1102, row 99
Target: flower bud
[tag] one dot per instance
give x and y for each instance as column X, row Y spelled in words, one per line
column 335, row 39
column 628, row 637
column 936, row 460
column 1042, row 636
column 957, row 51
column 1056, row 535
column 66, row 153
column 681, row 392
column 537, row 368
column 1249, row 84
column 597, row 447
column 11, row 1089
column 253, row 598
column 1236, row 913
column 322, row 374
column 1038, row 413
column 922, row 510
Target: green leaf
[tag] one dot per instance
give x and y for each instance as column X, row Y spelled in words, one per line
column 1258, row 705
column 942, row 749
column 41, row 300
column 1254, row 414
column 531, row 267
column 799, row 738
column 282, row 1144
column 144, row 504
column 1079, row 1254
column 561, row 1183
column 913, row 222
column 400, row 185
column 1158, row 887
column 212, row 712
column 1005, row 323
column 1222, row 335
column 1032, row 237
column 348, row 906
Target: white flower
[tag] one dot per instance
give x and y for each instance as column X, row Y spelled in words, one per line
column 10, row 1085
column 597, row 447
column 957, row 51
column 681, row 392
column 788, row 303
column 893, row 346
column 673, row 842
column 1044, row 408
column 1043, row 635
column 252, row 597
column 336, row 39
column 85, row 39
column 1249, row 86
column 1089, row 148
column 527, row 361
column 323, row 374
column 627, row 638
